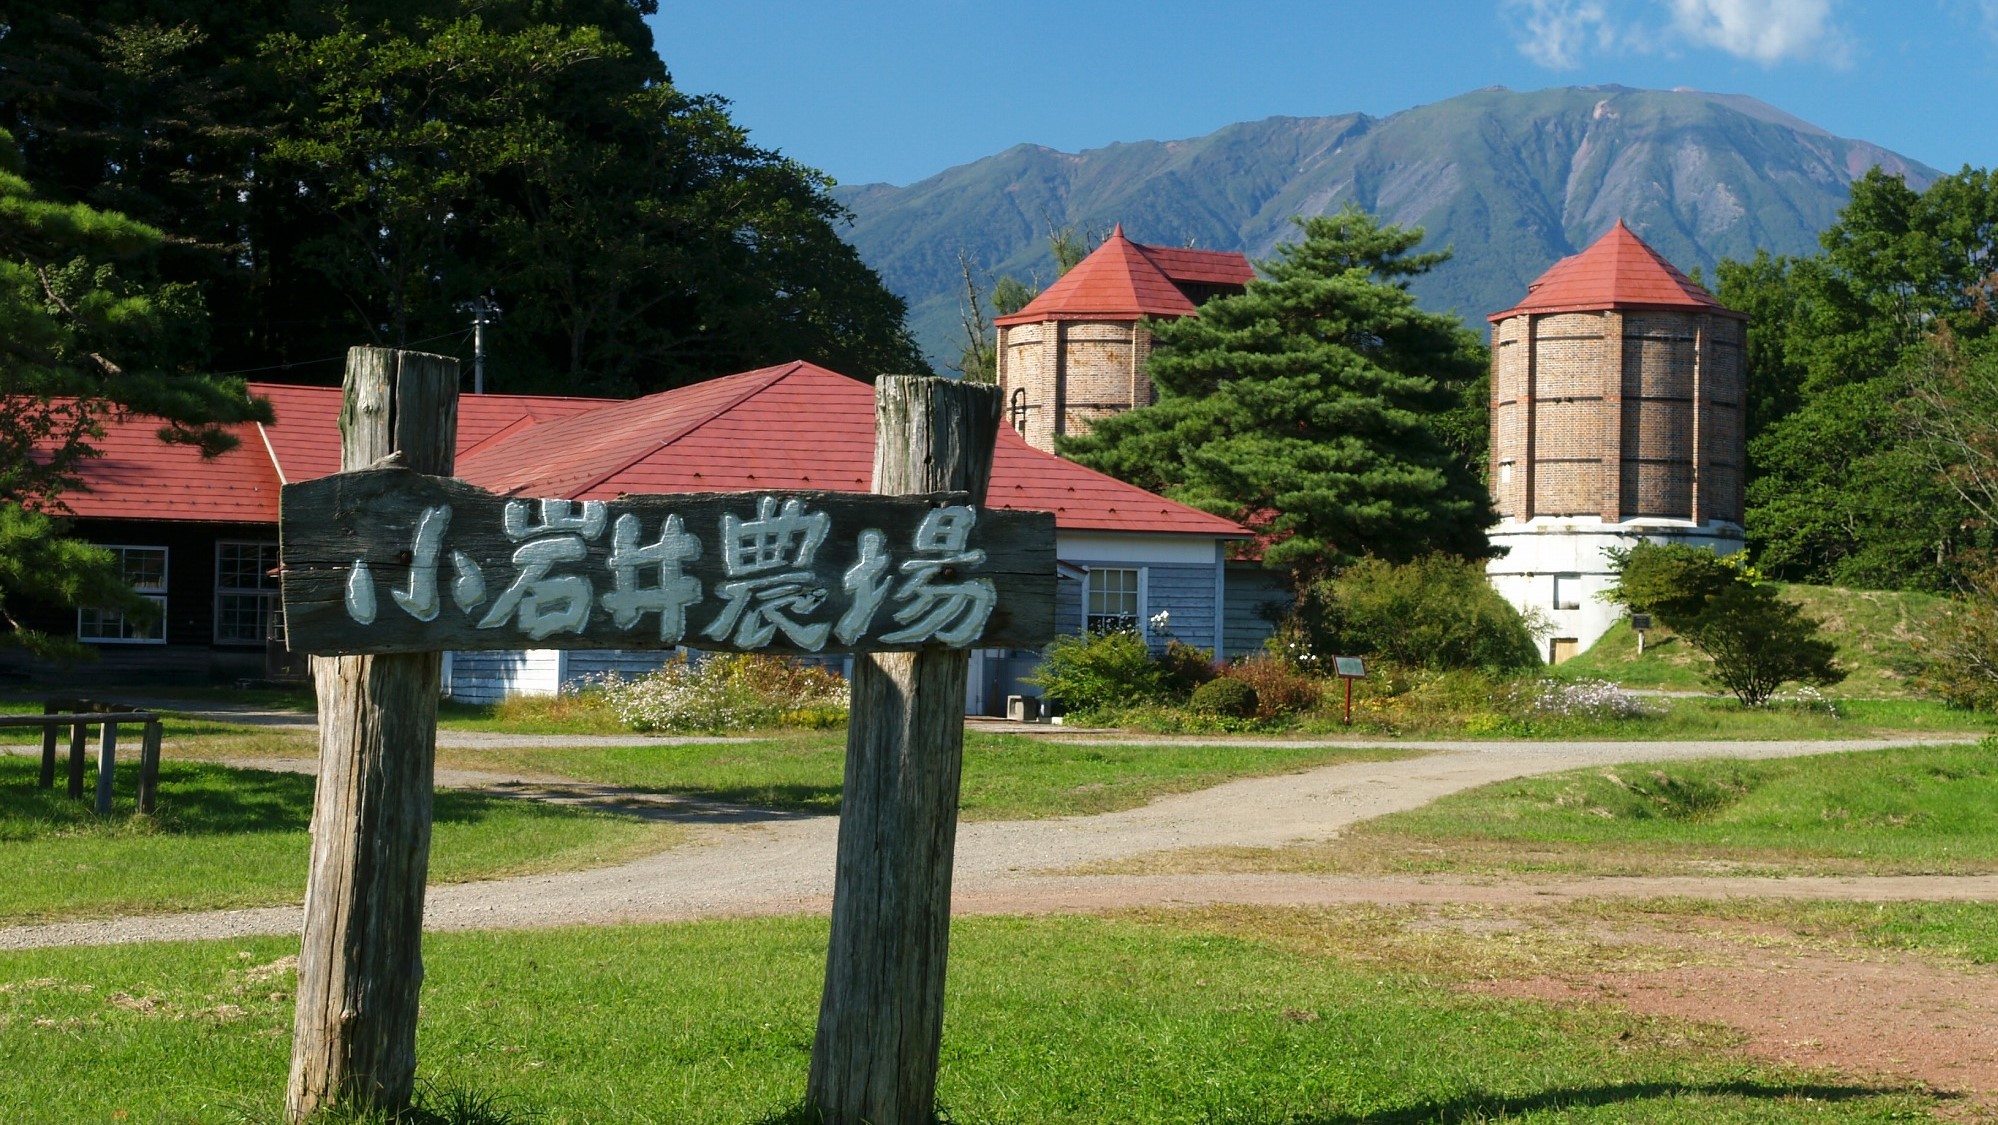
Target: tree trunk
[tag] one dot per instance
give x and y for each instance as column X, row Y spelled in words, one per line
column 361, row 963
column 881, row 1016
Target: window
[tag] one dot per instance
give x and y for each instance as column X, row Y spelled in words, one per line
column 145, row 570
column 1567, row 591
column 1112, row 601
column 246, row 592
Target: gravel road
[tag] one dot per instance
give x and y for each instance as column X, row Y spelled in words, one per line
column 746, row 861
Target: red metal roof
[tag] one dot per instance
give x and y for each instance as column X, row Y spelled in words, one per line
column 1617, row 271
column 1203, row 267
column 304, row 440
column 140, row 477
column 798, row 425
column 1121, row 280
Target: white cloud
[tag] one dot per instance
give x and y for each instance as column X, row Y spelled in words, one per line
column 1561, row 34
column 1557, row 33
column 1767, row 31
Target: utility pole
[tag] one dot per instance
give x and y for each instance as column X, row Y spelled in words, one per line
column 484, row 311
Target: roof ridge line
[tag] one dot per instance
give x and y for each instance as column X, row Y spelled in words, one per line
column 787, row 370
column 277, row 466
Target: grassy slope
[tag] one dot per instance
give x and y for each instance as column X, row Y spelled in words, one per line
column 226, row 837
column 1921, row 810
column 1118, row 1021
column 1870, row 627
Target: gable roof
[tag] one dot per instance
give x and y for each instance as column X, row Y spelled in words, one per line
column 141, row 477
column 1122, row 280
column 797, row 425
column 1617, row 271
column 304, row 441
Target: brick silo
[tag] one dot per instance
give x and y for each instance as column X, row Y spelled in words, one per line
column 1617, row 417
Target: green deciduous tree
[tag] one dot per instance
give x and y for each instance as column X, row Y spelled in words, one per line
column 1319, row 407
column 331, row 173
column 1838, row 490
column 1437, row 612
column 1756, row 641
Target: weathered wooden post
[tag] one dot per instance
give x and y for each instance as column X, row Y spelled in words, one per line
column 387, row 560
column 107, row 763
column 360, row 963
column 881, row 1017
column 46, row 779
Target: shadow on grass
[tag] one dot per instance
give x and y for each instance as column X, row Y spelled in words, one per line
column 765, row 804
column 198, row 799
column 1492, row 1107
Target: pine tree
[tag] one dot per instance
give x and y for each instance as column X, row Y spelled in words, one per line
column 1315, row 406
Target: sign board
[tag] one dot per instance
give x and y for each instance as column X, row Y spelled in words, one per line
column 1352, row 667
column 390, row 560
column 1640, row 621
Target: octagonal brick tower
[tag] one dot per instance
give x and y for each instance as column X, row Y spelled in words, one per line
column 1617, row 399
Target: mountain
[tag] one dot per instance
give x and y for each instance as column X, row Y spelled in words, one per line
column 1509, row 181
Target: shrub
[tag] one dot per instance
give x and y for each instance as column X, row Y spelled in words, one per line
column 1186, row 668
column 728, row 692
column 1100, row 672
column 1225, row 696
column 1756, row 641
column 1280, row 689
column 1438, row 612
column 1959, row 657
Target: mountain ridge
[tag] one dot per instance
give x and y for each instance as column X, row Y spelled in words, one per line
column 1510, row 181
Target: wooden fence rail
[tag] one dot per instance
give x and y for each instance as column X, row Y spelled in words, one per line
column 107, row 751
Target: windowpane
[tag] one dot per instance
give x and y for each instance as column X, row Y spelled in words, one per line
column 1113, row 600
column 145, row 570
column 245, row 591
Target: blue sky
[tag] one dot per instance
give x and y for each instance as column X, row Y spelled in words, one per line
column 898, row 90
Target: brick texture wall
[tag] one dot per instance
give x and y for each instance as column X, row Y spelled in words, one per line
column 1072, row 372
column 1618, row 414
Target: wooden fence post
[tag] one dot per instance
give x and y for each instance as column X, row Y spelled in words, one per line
column 107, row 764
column 149, row 768
column 881, row 1016
column 360, row 963
column 78, row 738
column 46, row 779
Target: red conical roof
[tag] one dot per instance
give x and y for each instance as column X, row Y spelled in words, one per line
column 1123, row 280
column 1617, row 271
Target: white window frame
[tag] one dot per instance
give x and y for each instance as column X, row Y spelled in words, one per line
column 268, row 596
column 1141, row 624
column 156, row 595
column 1570, row 587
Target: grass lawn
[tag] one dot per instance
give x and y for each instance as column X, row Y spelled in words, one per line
column 1155, row 1019
column 1006, row 777
column 1872, row 629
column 1922, row 810
column 1964, row 932
column 226, row 837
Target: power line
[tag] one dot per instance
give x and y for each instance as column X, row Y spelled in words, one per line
column 460, row 334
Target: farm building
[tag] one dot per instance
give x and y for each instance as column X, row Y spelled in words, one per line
column 200, row 536
column 1076, row 352
column 1617, row 399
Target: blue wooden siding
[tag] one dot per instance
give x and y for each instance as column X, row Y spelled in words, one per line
column 1257, row 598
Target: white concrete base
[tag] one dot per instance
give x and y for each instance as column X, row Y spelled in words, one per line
column 1557, row 567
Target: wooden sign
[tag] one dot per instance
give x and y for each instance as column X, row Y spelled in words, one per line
column 390, row 560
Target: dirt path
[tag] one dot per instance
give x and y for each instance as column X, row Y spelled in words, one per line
column 748, row 861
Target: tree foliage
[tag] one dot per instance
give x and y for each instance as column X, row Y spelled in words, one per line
column 1319, row 407
column 1756, row 642
column 329, row 174
column 1437, row 612
column 1841, row 490
column 83, row 334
